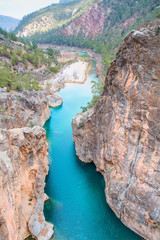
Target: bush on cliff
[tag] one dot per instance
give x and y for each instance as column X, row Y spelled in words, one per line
column 97, row 89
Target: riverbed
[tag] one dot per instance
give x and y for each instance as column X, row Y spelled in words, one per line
column 77, row 205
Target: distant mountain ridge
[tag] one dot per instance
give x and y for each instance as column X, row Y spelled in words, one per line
column 100, row 25
column 52, row 17
column 66, row 1
column 8, row 23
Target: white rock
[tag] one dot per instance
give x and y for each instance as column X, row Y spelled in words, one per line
column 54, row 100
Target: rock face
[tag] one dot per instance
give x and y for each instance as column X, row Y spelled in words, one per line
column 91, row 23
column 23, row 165
column 121, row 135
column 23, row 109
column 54, row 100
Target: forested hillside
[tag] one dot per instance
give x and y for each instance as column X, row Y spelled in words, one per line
column 96, row 24
column 23, row 64
column 54, row 17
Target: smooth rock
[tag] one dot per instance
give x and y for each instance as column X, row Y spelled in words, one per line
column 54, row 100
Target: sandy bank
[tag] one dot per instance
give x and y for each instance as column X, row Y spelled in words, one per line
column 74, row 73
column 69, row 55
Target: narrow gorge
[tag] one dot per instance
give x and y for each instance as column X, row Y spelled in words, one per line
column 77, row 205
column 121, row 134
column 42, row 182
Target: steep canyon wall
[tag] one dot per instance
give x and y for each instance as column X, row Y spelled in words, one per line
column 121, row 135
column 23, row 165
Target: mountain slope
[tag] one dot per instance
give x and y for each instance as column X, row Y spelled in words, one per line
column 53, row 17
column 24, row 65
column 97, row 24
column 8, row 23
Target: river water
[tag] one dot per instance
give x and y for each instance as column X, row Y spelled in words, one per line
column 77, row 205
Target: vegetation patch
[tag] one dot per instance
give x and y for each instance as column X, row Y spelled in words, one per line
column 20, row 63
column 157, row 31
column 97, row 89
column 81, row 124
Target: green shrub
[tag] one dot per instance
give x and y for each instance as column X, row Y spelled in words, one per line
column 54, row 69
column 34, row 45
column 31, row 124
column 157, row 31
column 81, row 124
column 30, row 58
column 18, row 87
column 97, row 89
column 14, row 60
column 4, row 51
column 34, row 85
column 13, row 37
column 25, row 63
column 36, row 61
column 50, row 51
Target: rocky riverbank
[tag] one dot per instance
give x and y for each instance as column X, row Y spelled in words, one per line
column 121, row 135
column 24, row 163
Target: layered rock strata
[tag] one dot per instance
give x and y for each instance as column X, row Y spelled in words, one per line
column 121, row 135
column 23, row 165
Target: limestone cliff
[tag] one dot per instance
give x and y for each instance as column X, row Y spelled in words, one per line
column 23, row 165
column 121, row 135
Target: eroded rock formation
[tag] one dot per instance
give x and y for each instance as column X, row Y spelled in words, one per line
column 121, row 135
column 23, row 165
column 23, row 109
column 54, row 100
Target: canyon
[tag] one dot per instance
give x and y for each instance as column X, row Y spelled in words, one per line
column 121, row 134
column 24, row 158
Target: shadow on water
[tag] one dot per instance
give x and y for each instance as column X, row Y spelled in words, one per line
column 77, row 205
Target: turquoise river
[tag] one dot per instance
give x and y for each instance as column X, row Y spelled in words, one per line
column 77, row 205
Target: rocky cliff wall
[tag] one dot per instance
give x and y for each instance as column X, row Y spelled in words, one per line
column 90, row 23
column 121, row 135
column 23, row 109
column 23, row 165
